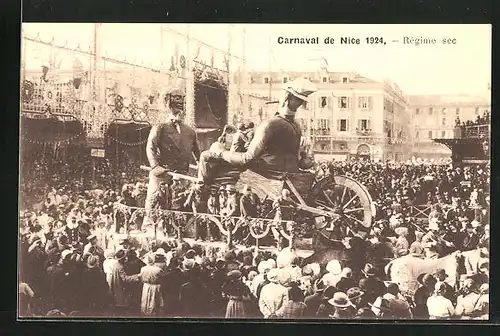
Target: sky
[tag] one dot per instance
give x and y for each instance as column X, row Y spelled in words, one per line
column 464, row 67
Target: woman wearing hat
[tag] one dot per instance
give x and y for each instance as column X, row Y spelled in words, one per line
column 152, row 298
column 276, row 143
column 426, row 289
column 440, row 308
column 344, row 308
column 273, row 295
column 239, row 303
column 120, row 285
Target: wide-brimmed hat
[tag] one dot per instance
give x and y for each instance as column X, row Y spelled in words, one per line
column 334, row 267
column 273, row 275
column 369, row 270
column 354, row 293
column 190, row 254
column 300, row 88
column 92, row 236
column 441, row 273
column 120, row 255
column 340, row 300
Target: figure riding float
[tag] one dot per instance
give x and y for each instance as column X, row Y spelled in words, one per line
column 274, row 167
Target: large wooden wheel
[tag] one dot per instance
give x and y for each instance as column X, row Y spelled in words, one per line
column 347, row 198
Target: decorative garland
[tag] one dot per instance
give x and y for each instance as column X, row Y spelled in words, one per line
column 252, row 223
column 130, row 144
column 62, row 141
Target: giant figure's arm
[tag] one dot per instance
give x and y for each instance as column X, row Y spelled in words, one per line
column 254, row 149
column 152, row 147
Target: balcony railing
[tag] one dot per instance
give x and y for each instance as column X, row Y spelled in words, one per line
column 472, row 132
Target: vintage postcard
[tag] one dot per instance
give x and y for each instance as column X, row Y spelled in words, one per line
column 259, row 171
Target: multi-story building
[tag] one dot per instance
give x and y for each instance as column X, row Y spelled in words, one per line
column 348, row 116
column 435, row 116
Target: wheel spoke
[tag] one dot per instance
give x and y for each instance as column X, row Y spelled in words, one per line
column 353, row 218
column 343, row 194
column 352, row 210
column 328, row 198
column 352, row 199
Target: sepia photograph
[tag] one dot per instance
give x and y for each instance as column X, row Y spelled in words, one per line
column 254, row 171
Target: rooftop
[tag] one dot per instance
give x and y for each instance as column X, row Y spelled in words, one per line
column 417, row 100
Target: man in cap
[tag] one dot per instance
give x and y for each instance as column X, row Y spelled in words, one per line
column 469, row 239
column 433, row 243
column 171, row 145
column 448, row 291
column 92, row 242
column 276, row 144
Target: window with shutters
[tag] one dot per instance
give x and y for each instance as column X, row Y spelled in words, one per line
column 343, row 102
column 443, row 110
column 324, row 79
column 364, row 103
column 342, row 125
column 266, row 80
column 322, row 123
column 285, row 79
column 345, row 80
column 324, row 102
column 430, row 134
column 364, row 124
column 444, row 122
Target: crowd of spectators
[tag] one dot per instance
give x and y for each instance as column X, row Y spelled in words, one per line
column 74, row 262
column 480, row 120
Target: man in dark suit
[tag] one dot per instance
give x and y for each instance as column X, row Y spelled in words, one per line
column 171, row 145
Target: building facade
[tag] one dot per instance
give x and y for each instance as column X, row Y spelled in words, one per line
column 348, row 116
column 435, row 116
